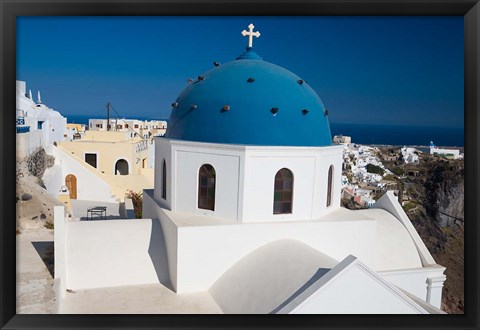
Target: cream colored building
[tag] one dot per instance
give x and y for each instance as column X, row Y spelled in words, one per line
column 113, row 153
column 101, row 166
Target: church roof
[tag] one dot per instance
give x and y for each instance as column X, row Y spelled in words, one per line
column 264, row 279
column 250, row 101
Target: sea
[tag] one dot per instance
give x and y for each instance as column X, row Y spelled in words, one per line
column 400, row 135
column 368, row 134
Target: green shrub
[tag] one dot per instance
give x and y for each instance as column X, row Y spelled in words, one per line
column 398, row 171
column 409, row 206
column 375, row 169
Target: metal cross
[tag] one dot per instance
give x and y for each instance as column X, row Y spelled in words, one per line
column 250, row 34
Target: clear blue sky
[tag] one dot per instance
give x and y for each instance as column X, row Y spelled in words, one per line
column 378, row 70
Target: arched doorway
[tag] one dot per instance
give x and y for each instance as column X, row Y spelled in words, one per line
column 71, row 183
column 121, row 167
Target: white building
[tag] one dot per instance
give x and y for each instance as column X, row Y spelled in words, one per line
column 74, row 131
column 410, row 155
column 37, row 124
column 140, row 128
column 454, row 153
column 341, row 139
column 251, row 216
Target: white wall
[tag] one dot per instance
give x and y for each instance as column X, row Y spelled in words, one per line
column 28, row 143
column 389, row 203
column 226, row 183
column 54, row 179
column 89, row 185
column 109, row 253
column 167, row 235
column 53, row 129
column 245, row 178
column 415, row 281
column 310, row 171
column 59, row 257
column 206, row 252
column 151, row 154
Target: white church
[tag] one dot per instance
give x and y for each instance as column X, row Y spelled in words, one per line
column 246, row 210
column 37, row 125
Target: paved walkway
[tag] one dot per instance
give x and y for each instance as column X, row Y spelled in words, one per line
column 35, row 294
column 139, row 299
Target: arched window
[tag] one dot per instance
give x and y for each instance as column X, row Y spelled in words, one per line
column 164, row 180
column 329, row 185
column 206, row 187
column 121, row 167
column 283, row 192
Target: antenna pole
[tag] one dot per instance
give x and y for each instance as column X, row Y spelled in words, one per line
column 108, row 116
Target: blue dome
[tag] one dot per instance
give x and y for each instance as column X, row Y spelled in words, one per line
column 250, row 101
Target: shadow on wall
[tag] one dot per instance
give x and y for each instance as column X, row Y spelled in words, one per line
column 46, row 253
column 319, row 273
column 158, row 254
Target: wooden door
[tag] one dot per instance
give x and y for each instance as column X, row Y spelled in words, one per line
column 71, row 183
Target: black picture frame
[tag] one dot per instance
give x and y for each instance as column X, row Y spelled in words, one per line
column 9, row 10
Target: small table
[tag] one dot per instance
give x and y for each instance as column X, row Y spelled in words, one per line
column 97, row 210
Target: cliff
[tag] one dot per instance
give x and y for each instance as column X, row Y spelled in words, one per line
column 434, row 201
column 34, row 206
column 445, row 193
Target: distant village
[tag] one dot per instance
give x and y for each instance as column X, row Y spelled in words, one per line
column 365, row 178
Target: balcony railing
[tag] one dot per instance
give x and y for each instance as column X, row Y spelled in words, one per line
column 23, row 129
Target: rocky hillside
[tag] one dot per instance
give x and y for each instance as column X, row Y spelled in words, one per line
column 445, row 193
column 434, row 201
column 34, row 205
